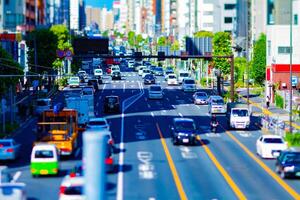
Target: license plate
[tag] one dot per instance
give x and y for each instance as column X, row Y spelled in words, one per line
column 185, row 140
column 43, row 172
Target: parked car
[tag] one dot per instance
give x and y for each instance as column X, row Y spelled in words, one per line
column 270, row 146
column 42, row 105
column 9, row 149
column 111, row 104
column 172, row 79
column 155, row 92
column 116, row 75
column 200, row 98
column 288, row 163
column 149, row 79
column 189, row 85
column 183, row 131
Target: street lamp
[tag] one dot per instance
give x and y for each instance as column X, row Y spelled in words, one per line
column 291, row 63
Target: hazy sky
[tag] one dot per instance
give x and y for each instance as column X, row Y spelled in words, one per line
column 99, row 3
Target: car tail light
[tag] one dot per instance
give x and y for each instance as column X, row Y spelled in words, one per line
column 65, row 149
column 10, row 150
column 62, row 189
column 109, row 161
column 72, row 174
column 111, row 141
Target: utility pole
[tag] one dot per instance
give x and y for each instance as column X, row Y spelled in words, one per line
column 291, row 63
column 232, row 78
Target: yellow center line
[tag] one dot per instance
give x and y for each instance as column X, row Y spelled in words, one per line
column 224, row 173
column 172, row 166
column 282, row 183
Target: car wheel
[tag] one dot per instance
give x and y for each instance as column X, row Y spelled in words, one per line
column 277, row 169
column 283, row 175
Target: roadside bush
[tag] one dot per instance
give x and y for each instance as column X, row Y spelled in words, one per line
column 226, row 96
column 279, row 101
column 204, row 80
column 62, row 82
column 293, row 139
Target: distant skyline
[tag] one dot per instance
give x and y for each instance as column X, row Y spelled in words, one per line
column 99, row 3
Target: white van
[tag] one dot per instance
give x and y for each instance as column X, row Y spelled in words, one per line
column 98, row 72
column 216, row 105
column 182, row 75
column 44, row 160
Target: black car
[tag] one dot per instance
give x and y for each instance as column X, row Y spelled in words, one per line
column 149, row 79
column 94, row 83
column 116, row 75
column 184, row 131
column 288, row 163
column 159, row 71
column 152, row 68
column 111, row 104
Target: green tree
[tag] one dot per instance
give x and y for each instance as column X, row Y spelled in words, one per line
column 139, row 40
column 162, row 41
column 131, row 39
column 175, row 46
column 105, row 33
column 240, row 64
column 222, row 47
column 8, row 66
column 259, row 60
column 204, row 34
column 45, row 42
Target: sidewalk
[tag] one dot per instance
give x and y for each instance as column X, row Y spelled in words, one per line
column 258, row 106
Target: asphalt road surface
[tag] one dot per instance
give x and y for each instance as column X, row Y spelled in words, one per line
column 148, row 166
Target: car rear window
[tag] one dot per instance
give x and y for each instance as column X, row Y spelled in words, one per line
column 200, row 94
column 184, row 75
column 172, row 77
column 292, row 158
column 155, row 88
column 189, row 82
column 159, row 69
column 148, row 76
column 5, row 144
column 99, row 123
column 42, row 103
column 273, row 140
column 184, row 125
column 217, row 101
column 44, row 154
column 111, row 100
column 74, row 190
column 74, row 79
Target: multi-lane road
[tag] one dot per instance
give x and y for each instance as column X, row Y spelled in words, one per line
column 149, row 166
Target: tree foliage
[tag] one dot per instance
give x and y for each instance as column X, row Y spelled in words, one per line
column 240, row 64
column 45, row 42
column 200, row 34
column 175, row 46
column 131, row 39
column 222, row 47
column 162, row 41
column 8, row 66
column 259, row 60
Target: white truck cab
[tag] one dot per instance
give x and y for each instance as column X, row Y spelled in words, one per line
column 238, row 116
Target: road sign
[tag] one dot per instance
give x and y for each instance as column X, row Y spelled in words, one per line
column 68, row 54
column 60, row 53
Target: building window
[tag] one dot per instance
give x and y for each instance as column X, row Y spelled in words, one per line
column 229, row 6
column 296, row 19
column 269, row 47
column 284, row 50
column 228, row 20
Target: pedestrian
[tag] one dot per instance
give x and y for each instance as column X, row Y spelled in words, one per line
column 268, row 102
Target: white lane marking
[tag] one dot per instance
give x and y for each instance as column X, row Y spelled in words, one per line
column 132, row 81
column 213, row 134
column 146, row 168
column 103, row 88
column 152, row 114
column 124, row 87
column 97, row 104
column 127, row 81
column 180, row 114
column 173, row 106
column 77, row 152
column 121, row 162
column 131, row 86
column 151, row 198
column 163, row 112
column 114, row 86
column 244, row 134
column 148, row 105
column 186, row 153
column 16, row 176
column 167, row 99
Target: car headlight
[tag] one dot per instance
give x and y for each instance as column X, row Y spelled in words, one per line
column 193, row 134
column 181, row 134
column 289, row 169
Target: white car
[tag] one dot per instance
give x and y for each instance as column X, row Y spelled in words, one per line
column 72, row 188
column 74, row 81
column 98, row 72
column 182, row 75
column 189, row 85
column 145, row 71
column 114, row 68
column 172, row 79
column 269, row 146
column 99, row 123
column 141, row 70
column 155, row 92
column 13, row 191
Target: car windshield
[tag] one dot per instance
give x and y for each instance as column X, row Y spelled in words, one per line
column 4, row 144
column 43, row 154
column 74, row 79
column 97, row 123
column 172, row 77
column 155, row 88
column 240, row 113
column 111, row 100
column 201, row 94
column 149, row 76
column 41, row 103
column 98, row 71
column 159, row 69
column 189, row 82
column 184, row 75
column 273, row 140
column 184, row 125
column 217, row 102
column 292, row 158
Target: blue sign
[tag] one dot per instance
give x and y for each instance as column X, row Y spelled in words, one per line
column 294, row 81
column 57, row 108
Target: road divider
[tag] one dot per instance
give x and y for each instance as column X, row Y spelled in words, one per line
column 224, row 173
column 172, row 166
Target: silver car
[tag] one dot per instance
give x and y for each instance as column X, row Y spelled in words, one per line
column 200, row 98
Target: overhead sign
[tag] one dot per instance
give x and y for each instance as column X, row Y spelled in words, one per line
column 94, row 45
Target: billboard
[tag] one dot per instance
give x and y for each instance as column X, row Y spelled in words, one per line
column 198, row 46
column 83, row 46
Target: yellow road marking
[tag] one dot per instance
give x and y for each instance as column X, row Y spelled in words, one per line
column 224, row 173
column 172, row 166
column 283, row 184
